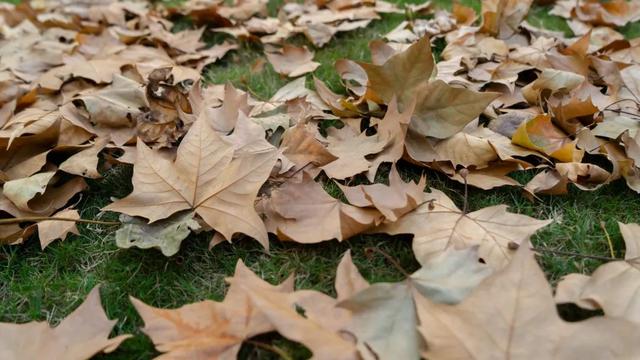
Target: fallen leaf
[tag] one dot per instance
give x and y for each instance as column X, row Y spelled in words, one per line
column 50, row 230
column 209, row 328
column 81, row 335
column 540, row 134
column 512, row 314
column 613, row 286
column 401, row 74
column 292, row 61
column 205, row 177
column 305, row 213
column 443, row 110
column 438, row 224
column 166, row 235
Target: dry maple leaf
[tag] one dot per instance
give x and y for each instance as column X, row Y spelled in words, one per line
column 512, row 315
column 438, row 224
column 585, row 176
column 292, row 61
column 304, row 212
column 205, row 177
column 392, row 201
column 50, row 230
column 384, row 315
column 209, row 329
column 301, row 147
column 443, row 110
column 541, row 134
column 351, row 150
column 81, row 335
column 100, row 71
column 401, row 74
column 613, row 286
column 324, row 327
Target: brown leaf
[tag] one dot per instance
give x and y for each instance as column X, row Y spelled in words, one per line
column 292, row 61
column 205, row 177
column 512, row 314
column 393, row 200
column 85, row 162
column 81, row 335
column 305, row 213
column 351, row 150
column 613, row 286
column 401, row 74
column 443, row 110
column 211, row 329
column 554, row 181
column 50, row 230
column 438, row 224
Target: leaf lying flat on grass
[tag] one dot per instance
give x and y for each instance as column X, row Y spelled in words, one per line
column 166, row 235
column 438, row 224
column 81, row 335
column 512, row 314
column 205, row 177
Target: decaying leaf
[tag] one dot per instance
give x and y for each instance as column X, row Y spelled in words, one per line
column 166, row 235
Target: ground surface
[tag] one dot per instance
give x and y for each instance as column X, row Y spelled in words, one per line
column 36, row 285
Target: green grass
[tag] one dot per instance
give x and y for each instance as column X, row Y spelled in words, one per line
column 48, row 285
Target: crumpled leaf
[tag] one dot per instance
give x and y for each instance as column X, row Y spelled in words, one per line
column 166, row 235
column 81, row 335
column 393, row 201
column 540, row 134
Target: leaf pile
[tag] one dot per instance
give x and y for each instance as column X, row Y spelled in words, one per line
column 100, row 84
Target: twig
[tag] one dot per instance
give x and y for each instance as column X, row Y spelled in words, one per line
column 464, row 172
column 571, row 253
column 50, row 218
column 274, row 349
column 390, row 259
column 606, row 234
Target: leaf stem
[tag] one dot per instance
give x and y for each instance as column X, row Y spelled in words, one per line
column 51, row 218
column 606, row 234
column 390, row 259
column 575, row 254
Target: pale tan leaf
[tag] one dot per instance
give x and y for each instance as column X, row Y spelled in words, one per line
column 81, row 335
column 50, row 230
